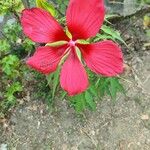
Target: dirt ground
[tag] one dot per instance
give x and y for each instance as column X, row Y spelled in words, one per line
column 123, row 125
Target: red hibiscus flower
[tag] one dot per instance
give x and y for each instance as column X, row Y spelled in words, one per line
column 84, row 19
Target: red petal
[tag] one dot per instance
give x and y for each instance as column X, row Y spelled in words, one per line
column 73, row 77
column 41, row 27
column 103, row 58
column 85, row 17
column 46, row 59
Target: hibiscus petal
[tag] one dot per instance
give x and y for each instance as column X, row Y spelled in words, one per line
column 46, row 59
column 85, row 17
column 73, row 76
column 41, row 27
column 103, row 57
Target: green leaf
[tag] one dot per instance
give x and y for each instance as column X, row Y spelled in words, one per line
column 102, row 85
column 49, row 78
column 9, row 65
column 15, row 87
column 80, row 105
column 4, row 46
column 113, row 88
column 63, row 95
column 39, row 3
column 47, row 6
column 90, row 101
column 147, row 1
column 79, row 102
column 110, row 86
column 102, row 37
column 7, row 6
column 93, row 90
column 113, row 33
column 55, row 82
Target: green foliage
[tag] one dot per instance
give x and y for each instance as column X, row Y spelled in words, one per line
column 10, row 79
column 12, row 31
column 47, row 6
column 109, row 33
column 28, row 45
column 9, row 99
column 53, row 81
column 10, row 64
column 147, row 1
column 4, row 46
column 104, row 86
column 13, row 41
column 13, row 47
column 110, row 86
column 144, row 1
column 89, row 100
column 8, row 6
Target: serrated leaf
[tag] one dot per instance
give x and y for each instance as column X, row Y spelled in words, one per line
column 4, row 45
column 90, row 101
column 9, row 65
column 110, row 86
column 102, row 84
column 113, row 88
column 49, row 78
column 102, row 37
column 55, row 82
column 120, row 87
column 15, row 87
column 93, row 90
column 80, row 103
column 63, row 95
column 113, row 33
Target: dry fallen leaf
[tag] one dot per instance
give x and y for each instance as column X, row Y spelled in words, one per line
column 145, row 117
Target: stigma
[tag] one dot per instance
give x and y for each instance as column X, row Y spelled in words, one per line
column 72, row 43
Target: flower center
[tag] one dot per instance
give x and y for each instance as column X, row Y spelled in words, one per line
column 72, row 43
